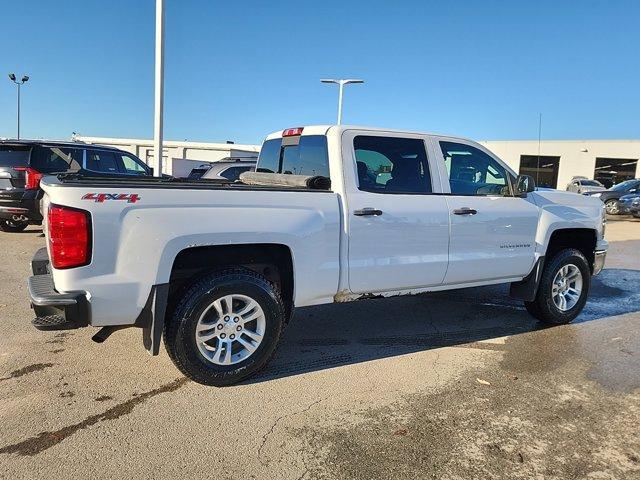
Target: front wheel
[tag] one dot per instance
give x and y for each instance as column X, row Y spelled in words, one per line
column 563, row 290
column 611, row 207
column 225, row 327
column 12, row 227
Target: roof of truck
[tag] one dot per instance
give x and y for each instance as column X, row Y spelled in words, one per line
column 323, row 129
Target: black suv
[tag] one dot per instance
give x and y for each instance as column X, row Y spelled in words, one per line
column 611, row 196
column 24, row 162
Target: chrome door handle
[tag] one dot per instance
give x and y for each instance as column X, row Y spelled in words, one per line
column 367, row 211
column 465, row 211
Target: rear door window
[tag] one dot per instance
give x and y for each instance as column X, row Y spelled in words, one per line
column 102, row 161
column 14, row 156
column 392, row 165
column 300, row 155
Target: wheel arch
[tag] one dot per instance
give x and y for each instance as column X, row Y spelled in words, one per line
column 582, row 239
column 275, row 261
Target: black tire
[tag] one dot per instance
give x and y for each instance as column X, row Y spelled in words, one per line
column 611, row 207
column 180, row 329
column 12, row 227
column 543, row 307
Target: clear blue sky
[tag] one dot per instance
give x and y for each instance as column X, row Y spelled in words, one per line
column 239, row 69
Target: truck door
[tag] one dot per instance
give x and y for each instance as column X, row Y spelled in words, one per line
column 397, row 228
column 492, row 232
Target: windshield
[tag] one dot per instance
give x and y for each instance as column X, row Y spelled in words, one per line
column 591, row 183
column 14, row 156
column 624, row 185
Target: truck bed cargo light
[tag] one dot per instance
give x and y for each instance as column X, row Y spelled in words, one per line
column 292, row 132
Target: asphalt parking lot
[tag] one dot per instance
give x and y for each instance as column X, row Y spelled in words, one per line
column 453, row 385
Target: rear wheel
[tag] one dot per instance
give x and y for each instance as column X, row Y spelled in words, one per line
column 611, row 206
column 225, row 327
column 563, row 288
column 12, row 226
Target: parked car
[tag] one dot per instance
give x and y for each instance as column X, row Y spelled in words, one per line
column 626, row 202
column 583, row 185
column 229, row 169
column 635, row 209
column 24, row 162
column 197, row 172
column 611, row 196
column 218, row 268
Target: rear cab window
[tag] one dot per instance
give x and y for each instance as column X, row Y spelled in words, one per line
column 295, row 155
column 14, row 155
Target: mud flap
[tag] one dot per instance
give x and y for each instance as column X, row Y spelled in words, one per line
column 527, row 288
column 151, row 319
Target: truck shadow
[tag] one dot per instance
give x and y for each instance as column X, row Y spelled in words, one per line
column 336, row 335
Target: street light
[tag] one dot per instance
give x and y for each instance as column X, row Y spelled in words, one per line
column 159, row 88
column 25, row 79
column 341, row 83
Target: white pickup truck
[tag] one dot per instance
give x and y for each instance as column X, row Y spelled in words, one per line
column 333, row 214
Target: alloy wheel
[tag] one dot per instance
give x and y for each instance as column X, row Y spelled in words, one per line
column 230, row 329
column 567, row 287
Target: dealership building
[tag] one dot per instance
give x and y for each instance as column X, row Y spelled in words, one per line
column 551, row 162
column 554, row 162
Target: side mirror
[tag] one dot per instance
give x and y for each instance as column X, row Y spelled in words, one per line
column 524, row 184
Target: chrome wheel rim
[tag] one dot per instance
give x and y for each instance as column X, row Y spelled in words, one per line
column 567, row 287
column 611, row 207
column 230, row 329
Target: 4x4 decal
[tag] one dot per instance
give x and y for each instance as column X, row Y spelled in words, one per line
column 101, row 197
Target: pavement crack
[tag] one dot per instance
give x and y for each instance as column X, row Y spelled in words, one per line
column 45, row 440
column 277, row 421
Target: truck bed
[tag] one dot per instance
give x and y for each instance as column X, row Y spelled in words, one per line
column 105, row 181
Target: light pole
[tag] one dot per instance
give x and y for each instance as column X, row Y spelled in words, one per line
column 159, row 87
column 25, row 79
column 341, row 83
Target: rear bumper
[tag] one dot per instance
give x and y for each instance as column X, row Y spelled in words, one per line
column 21, row 204
column 54, row 310
column 598, row 261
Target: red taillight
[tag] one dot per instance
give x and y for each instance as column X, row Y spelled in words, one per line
column 32, row 177
column 69, row 236
column 292, row 132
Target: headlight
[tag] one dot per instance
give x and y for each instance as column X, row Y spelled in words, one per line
column 596, row 194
